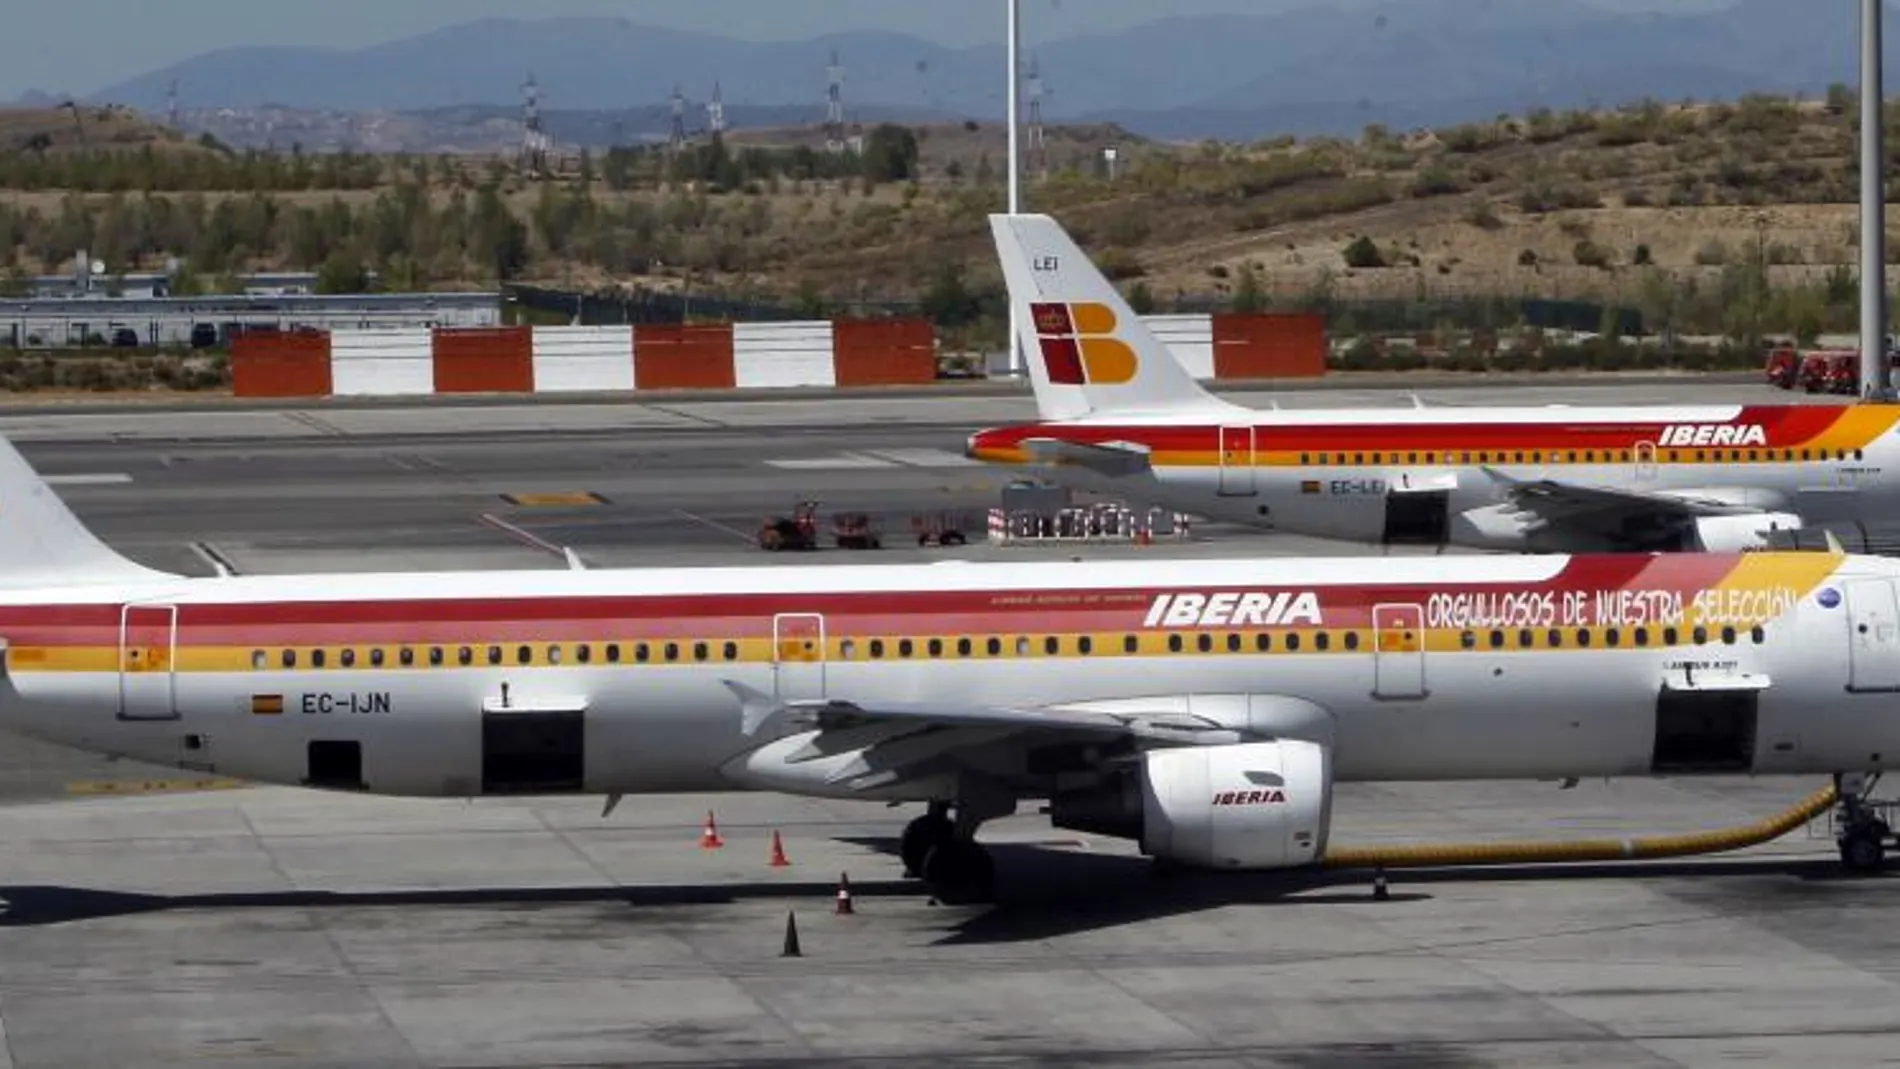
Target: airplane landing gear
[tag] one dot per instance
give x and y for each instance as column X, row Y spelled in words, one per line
column 1863, row 830
column 944, row 851
column 923, row 835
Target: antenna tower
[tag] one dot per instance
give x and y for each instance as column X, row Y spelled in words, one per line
column 171, row 105
column 716, row 111
column 678, row 138
column 834, row 105
column 1038, row 147
column 534, row 141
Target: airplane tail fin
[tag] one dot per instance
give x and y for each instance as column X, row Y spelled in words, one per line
column 42, row 544
column 1086, row 350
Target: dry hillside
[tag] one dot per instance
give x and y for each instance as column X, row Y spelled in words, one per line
column 84, row 128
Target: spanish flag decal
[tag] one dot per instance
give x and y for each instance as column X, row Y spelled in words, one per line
column 267, row 704
column 1309, row 486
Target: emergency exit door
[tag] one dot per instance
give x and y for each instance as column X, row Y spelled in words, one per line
column 1236, row 461
column 1398, row 651
column 798, row 656
column 148, row 648
column 1873, row 635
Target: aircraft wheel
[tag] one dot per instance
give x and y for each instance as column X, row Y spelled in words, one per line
column 920, row 836
column 1862, row 850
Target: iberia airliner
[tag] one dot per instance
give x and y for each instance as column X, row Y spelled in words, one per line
column 1204, row 709
column 1119, row 414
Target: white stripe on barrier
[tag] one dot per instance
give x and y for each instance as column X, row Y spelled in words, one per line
column 577, row 359
column 382, row 363
column 783, row 354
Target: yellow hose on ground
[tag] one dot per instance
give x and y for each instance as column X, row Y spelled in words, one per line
column 1632, row 849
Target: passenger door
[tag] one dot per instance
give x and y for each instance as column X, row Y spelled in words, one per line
column 1236, row 461
column 1398, row 651
column 1873, row 621
column 798, row 656
column 1645, row 462
column 148, row 648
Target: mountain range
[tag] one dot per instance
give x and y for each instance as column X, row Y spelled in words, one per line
column 1320, row 69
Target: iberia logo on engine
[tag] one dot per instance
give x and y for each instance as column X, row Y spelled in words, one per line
column 1270, row 796
column 1698, row 434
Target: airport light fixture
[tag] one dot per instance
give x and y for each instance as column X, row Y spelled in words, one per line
column 1875, row 378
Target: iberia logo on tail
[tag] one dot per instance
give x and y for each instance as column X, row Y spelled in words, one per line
column 1079, row 346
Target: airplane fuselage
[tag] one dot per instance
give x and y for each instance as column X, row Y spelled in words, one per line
column 620, row 682
column 1444, row 476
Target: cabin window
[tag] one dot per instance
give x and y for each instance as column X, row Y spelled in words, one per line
column 1293, row 642
column 1556, row 638
column 584, row 652
column 1583, row 636
column 1642, row 636
column 935, row 646
column 1757, row 635
column 407, row 656
column 347, row 658
column 494, row 655
column 1728, row 636
column 290, row 658
column 1233, row 643
column 554, row 655
column 1022, row 646
column 1525, row 639
column 259, row 660
column 1669, row 636
column 1468, row 640
column 1411, row 458
column 1085, row 645
column 376, row 658
column 466, row 655
column 848, row 649
column 1358, row 458
column 524, row 654
column 995, row 646
column 1612, row 636
column 316, row 658
column 672, row 651
column 1536, row 457
column 1052, row 645
column 1305, row 459
column 1323, row 640
column 1497, row 640
column 1263, row 642
column 1352, row 640
column 613, row 653
column 435, row 655
column 877, row 649
column 1701, row 635
column 1131, row 644
column 1174, row 643
column 730, row 651
column 1204, row 643
column 699, row 651
column 905, row 647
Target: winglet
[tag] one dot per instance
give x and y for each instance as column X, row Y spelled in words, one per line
column 757, row 709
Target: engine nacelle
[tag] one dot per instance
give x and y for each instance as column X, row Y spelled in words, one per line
column 1728, row 534
column 1257, row 805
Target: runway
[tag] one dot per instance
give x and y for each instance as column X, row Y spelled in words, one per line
column 275, row 927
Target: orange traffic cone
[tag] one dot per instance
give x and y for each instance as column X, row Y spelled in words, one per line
column 779, row 860
column 844, row 893
column 709, row 839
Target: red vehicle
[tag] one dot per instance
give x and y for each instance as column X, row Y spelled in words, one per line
column 1823, row 369
column 1783, row 366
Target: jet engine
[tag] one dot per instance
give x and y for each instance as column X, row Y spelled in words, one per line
column 1257, row 805
column 1728, row 534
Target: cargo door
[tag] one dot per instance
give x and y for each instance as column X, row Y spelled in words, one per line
column 798, row 656
column 1236, row 461
column 1398, row 651
column 148, row 647
column 1873, row 621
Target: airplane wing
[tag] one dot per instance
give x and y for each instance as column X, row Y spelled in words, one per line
column 1108, row 458
column 896, row 741
column 1552, row 503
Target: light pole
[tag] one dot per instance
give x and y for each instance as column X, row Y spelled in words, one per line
column 1873, row 205
column 1015, row 159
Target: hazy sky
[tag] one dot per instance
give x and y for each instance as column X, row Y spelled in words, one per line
column 84, row 45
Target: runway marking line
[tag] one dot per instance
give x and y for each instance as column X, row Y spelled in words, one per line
column 556, row 499
column 742, row 536
column 152, row 786
column 525, row 537
column 104, row 478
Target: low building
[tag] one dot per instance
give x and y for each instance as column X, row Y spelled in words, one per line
column 208, row 322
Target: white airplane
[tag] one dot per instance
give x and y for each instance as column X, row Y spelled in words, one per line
column 1119, row 414
column 1202, row 708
